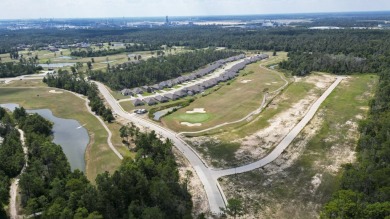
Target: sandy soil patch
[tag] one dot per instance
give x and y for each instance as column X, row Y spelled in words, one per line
column 195, row 186
column 260, row 143
column 268, row 84
column 191, row 124
column 55, row 92
column 196, row 110
column 245, row 81
column 274, row 82
column 320, row 80
column 316, row 182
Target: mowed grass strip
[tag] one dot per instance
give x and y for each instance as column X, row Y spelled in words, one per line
column 291, row 95
column 99, row 157
column 232, row 101
column 193, row 117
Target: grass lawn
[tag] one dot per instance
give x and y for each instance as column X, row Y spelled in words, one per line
column 25, row 83
column 288, row 193
column 99, row 157
column 232, row 101
column 193, row 117
column 291, row 95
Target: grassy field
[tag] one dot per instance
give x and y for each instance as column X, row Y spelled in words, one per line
column 291, row 95
column 100, row 62
column 299, row 189
column 99, row 157
column 232, row 101
column 193, row 117
column 25, row 83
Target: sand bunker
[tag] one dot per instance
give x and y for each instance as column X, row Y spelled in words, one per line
column 55, row 92
column 245, row 81
column 196, row 110
column 268, row 84
column 274, row 82
column 191, row 124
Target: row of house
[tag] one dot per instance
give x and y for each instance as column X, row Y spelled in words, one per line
column 198, row 88
column 179, row 80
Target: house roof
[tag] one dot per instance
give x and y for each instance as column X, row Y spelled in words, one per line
column 138, row 90
column 150, row 101
column 137, row 102
column 161, row 98
column 171, row 96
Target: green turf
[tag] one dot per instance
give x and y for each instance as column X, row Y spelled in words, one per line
column 193, row 117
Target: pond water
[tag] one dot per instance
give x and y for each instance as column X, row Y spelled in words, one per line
column 57, row 65
column 68, row 133
column 157, row 115
column 66, row 57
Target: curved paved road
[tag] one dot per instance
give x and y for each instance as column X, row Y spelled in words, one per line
column 286, row 140
column 207, row 175
column 257, row 111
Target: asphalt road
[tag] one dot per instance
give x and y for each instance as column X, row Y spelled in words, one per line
column 210, row 184
column 207, row 175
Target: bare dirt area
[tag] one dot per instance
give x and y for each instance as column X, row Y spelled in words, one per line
column 287, row 188
column 259, row 144
column 195, row 186
column 303, row 178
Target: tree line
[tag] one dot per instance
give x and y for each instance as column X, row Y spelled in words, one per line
column 106, row 52
column 158, row 69
column 22, row 67
column 67, row 81
column 302, row 63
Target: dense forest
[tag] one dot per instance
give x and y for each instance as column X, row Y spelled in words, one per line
column 365, row 185
column 11, row 156
column 302, row 63
column 345, row 41
column 107, row 52
column 67, row 81
column 158, row 69
column 146, row 187
column 21, row 67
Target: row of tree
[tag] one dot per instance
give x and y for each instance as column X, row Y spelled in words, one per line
column 11, row 156
column 106, row 52
column 302, row 63
column 78, row 84
column 359, row 42
column 365, row 185
column 22, row 67
column 158, row 69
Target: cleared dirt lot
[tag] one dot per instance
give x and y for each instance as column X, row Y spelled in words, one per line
column 303, row 178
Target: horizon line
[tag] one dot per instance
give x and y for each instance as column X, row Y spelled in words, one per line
column 211, row 15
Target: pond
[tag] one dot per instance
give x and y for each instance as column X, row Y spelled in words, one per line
column 68, row 133
column 157, row 115
column 57, row 65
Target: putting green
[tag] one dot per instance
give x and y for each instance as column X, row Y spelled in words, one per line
column 193, row 117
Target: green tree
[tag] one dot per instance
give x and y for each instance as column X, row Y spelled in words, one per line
column 234, row 208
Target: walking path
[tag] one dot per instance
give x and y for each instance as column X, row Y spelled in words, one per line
column 257, row 111
column 15, row 183
column 207, row 175
column 286, row 140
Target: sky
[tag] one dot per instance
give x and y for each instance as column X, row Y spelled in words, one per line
column 22, row 9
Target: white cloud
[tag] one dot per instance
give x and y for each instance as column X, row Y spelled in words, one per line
column 139, row 8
